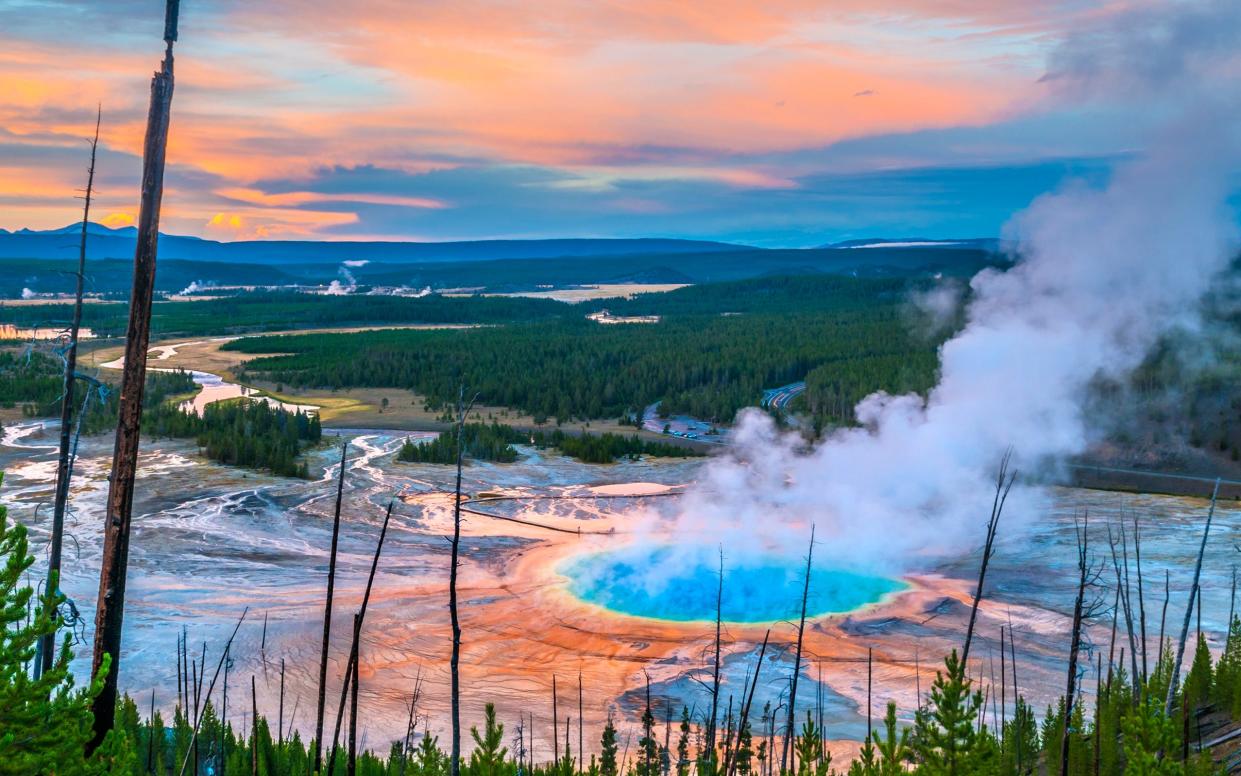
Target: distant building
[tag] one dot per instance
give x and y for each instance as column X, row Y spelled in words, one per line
column 604, row 316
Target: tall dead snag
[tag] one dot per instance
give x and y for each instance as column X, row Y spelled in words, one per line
column 192, row 750
column 47, row 644
column 1189, row 610
column 110, row 607
column 1003, row 484
column 454, row 663
column 789, row 729
column 280, row 724
column 1081, row 610
column 327, row 610
column 254, row 730
column 581, row 737
column 730, row 761
column 351, row 764
column 709, row 746
column 1122, row 586
column 1003, row 688
column 1232, row 609
column 351, row 672
column 1163, row 617
column 1137, row 553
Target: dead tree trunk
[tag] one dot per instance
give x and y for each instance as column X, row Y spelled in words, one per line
column 1137, row 554
column 110, row 607
column 1003, row 484
column 151, row 735
column 1017, row 723
column 1075, row 643
column 351, row 764
column 1003, row 688
column 327, row 611
column 801, row 630
column 1163, row 617
column 730, row 763
column 1232, row 608
column 454, row 662
column 355, row 642
column 192, row 749
column 280, row 728
column 47, row 644
column 254, row 730
column 715, row 676
column 581, row 739
column 1189, row 610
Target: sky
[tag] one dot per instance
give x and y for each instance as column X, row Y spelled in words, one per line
column 776, row 123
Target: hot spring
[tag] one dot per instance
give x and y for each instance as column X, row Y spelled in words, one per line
column 671, row 583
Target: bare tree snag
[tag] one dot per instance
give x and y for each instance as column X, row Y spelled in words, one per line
column 354, row 646
column 110, row 607
column 1003, row 484
column 1189, row 610
column 454, row 663
column 709, row 746
column 47, row 644
column 327, row 611
column 789, row 730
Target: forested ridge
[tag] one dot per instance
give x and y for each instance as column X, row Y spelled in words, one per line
column 274, row 310
column 699, row 360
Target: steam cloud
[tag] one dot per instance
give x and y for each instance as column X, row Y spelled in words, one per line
column 196, row 286
column 336, row 288
column 1101, row 274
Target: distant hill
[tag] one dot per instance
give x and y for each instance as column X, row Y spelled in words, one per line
column 34, row 262
column 105, row 243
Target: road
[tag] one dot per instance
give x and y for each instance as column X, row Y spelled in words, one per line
column 780, row 398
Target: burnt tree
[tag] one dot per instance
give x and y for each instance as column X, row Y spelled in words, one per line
column 110, row 606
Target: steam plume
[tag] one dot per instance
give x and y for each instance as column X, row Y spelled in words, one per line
column 1102, row 273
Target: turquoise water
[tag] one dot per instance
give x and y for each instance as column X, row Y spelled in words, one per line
column 670, row 584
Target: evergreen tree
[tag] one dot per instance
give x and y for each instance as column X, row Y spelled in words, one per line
column 45, row 723
column 1197, row 690
column 683, row 761
column 607, row 746
column 488, row 756
column 648, row 752
column 945, row 739
column 745, row 749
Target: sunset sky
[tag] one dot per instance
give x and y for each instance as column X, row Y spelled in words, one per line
column 781, row 122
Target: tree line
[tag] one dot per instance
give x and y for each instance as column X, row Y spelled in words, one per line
column 494, row 442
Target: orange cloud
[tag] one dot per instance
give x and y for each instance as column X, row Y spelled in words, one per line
column 115, row 220
column 294, row 198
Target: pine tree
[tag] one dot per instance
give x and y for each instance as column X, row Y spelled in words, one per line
column 607, row 746
column 648, row 752
column 745, row 749
column 45, row 723
column 809, row 747
column 1197, row 689
column 894, row 747
column 945, row 739
column 488, row 756
column 683, row 744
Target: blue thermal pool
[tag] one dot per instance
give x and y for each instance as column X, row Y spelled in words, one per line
column 667, row 583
